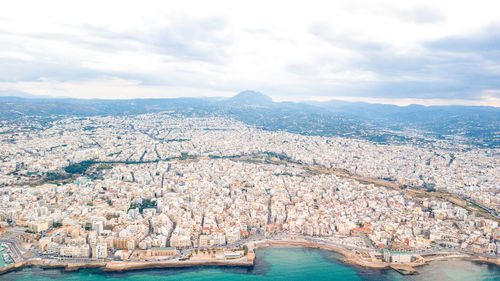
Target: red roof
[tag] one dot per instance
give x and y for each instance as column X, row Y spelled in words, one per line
column 362, row 229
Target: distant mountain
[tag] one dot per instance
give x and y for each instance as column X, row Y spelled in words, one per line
column 476, row 122
column 382, row 123
column 21, row 94
column 11, row 93
column 250, row 98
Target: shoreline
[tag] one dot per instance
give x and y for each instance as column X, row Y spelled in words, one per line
column 130, row 266
column 349, row 257
column 121, row 266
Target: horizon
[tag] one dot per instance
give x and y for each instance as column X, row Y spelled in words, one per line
column 274, row 100
column 388, row 52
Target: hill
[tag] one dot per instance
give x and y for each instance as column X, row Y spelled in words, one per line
column 478, row 125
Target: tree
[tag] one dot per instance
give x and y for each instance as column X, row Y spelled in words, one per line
column 145, row 204
column 79, row 168
column 51, row 176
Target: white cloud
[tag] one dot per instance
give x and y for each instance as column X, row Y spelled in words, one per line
column 107, row 88
column 126, row 49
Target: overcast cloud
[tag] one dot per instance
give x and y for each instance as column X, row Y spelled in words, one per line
column 427, row 52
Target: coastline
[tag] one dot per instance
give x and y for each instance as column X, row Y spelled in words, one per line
column 350, row 257
column 494, row 261
column 119, row 266
column 127, row 266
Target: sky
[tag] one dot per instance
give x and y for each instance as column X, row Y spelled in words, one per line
column 400, row 52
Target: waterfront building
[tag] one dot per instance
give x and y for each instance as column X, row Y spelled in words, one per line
column 164, row 251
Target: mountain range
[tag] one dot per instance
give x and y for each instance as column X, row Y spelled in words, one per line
column 478, row 125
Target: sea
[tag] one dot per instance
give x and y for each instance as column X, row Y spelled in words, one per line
column 277, row 263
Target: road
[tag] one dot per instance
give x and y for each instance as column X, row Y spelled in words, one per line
column 15, row 248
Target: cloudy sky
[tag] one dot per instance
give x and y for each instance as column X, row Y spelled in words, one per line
column 427, row 52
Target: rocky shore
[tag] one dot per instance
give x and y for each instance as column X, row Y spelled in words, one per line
column 494, row 261
column 19, row 265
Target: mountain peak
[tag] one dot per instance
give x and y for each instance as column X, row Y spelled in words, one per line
column 251, row 98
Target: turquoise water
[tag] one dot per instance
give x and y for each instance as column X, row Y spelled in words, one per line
column 278, row 264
